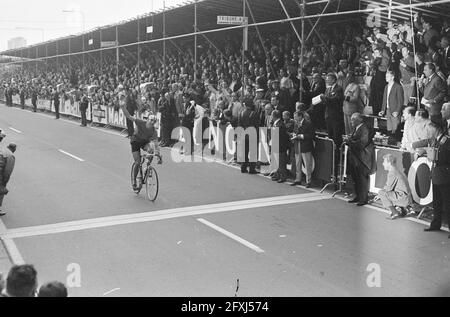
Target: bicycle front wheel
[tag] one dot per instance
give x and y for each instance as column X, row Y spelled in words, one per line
column 152, row 183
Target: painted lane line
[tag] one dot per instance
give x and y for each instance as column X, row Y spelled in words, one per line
column 159, row 215
column 13, row 252
column 111, row 291
column 71, row 155
column 231, row 235
column 15, row 130
column 11, row 248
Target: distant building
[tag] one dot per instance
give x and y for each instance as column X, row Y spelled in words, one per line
column 16, row 42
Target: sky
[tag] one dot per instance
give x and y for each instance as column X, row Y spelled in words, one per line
column 45, row 19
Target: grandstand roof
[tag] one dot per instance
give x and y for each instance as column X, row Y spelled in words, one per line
column 180, row 19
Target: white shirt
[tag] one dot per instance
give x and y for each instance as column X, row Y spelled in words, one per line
column 388, row 93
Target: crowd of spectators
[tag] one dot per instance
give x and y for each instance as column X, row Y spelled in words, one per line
column 350, row 67
column 22, row 281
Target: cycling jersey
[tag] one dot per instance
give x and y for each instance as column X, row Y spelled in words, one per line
column 143, row 133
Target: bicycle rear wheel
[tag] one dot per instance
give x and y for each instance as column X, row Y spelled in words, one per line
column 136, row 190
column 152, row 183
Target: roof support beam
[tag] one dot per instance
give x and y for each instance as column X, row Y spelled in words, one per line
column 292, row 23
column 259, row 35
column 318, row 20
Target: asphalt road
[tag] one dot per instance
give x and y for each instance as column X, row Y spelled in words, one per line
column 71, row 211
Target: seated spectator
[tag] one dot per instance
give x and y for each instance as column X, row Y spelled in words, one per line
column 53, row 289
column 21, row 282
column 425, row 129
column 396, row 192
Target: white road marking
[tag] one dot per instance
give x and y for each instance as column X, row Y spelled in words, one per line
column 231, row 236
column 159, row 215
column 15, row 130
column 112, row 291
column 71, row 155
column 13, row 251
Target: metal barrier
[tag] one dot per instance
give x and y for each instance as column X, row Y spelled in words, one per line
column 324, row 156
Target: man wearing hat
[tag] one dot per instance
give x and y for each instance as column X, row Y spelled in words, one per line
column 248, row 119
column 34, row 97
column 7, row 162
column 84, row 104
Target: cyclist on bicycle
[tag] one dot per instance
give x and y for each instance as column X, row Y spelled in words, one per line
column 145, row 137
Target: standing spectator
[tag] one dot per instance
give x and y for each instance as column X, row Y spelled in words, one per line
column 52, row 289
column 303, row 137
column 361, row 159
column 21, row 281
column 410, row 133
column 84, row 104
column 56, row 102
column 34, row 96
column 248, row 119
column 283, row 146
column 317, row 112
column 396, row 192
column 235, row 106
column 393, row 99
column 334, row 115
column 289, row 123
column 7, row 162
column 22, row 96
column 445, row 45
column 407, row 73
column 441, row 171
column 352, row 101
column 164, row 109
column 131, row 106
column 434, row 90
column 381, row 65
column 429, row 35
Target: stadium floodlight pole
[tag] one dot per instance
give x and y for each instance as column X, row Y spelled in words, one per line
column 138, row 52
column 292, row 23
column 195, row 40
column 302, row 50
column 164, row 37
column 243, row 50
column 414, row 52
column 318, row 20
column 117, row 54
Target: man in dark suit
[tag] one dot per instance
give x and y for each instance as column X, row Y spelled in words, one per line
column 445, row 45
column 56, row 102
column 131, row 105
column 303, row 138
column 22, row 96
column 361, row 158
column 441, row 171
column 34, row 97
column 334, row 115
column 84, row 104
column 283, row 146
column 434, row 90
column 248, row 119
column 317, row 112
column 393, row 99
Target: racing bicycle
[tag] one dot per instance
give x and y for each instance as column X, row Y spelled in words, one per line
column 147, row 175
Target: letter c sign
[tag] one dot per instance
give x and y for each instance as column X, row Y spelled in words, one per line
column 412, row 176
